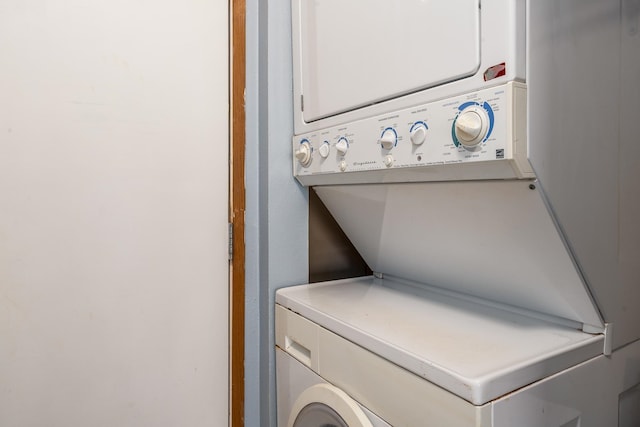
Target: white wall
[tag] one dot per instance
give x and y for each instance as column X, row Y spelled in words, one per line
column 113, row 212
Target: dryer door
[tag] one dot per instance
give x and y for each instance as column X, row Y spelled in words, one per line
column 360, row 52
column 324, row 405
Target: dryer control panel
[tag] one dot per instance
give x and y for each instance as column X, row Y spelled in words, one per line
column 480, row 135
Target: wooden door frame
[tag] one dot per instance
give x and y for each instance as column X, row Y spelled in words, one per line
column 237, row 203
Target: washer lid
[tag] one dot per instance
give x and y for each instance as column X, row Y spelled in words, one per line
column 324, row 405
column 361, row 52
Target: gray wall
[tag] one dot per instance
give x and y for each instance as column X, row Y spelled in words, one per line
column 276, row 220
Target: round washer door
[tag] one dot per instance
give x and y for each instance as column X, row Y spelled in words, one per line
column 324, row 405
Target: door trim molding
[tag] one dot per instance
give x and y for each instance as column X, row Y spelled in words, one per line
column 237, row 211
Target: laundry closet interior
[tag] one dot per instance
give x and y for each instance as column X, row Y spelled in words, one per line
column 471, row 168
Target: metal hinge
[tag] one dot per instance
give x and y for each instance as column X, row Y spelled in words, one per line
column 301, row 102
column 608, row 339
column 230, row 241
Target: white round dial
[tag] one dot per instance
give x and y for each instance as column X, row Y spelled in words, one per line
column 418, row 133
column 303, row 153
column 324, row 150
column 388, row 139
column 342, row 146
column 471, row 126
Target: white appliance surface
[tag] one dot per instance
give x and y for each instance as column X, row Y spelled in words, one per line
column 601, row 392
column 359, row 58
column 347, row 62
column 360, row 379
column 476, row 351
column 420, row 143
column 293, row 379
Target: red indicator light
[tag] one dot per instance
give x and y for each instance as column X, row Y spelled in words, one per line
column 495, row 71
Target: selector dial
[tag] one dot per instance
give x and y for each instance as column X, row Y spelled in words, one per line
column 388, row 139
column 325, row 149
column 418, row 133
column 303, row 153
column 342, row 146
column 471, row 126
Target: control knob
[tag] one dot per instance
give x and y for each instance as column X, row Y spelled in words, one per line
column 324, row 150
column 388, row 138
column 418, row 133
column 471, row 126
column 303, row 153
column 342, row 146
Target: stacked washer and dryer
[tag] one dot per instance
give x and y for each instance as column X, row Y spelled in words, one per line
column 482, row 156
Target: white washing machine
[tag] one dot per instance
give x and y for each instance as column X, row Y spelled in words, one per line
column 386, row 352
column 482, row 164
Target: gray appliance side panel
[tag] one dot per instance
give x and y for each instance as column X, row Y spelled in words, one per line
column 629, row 173
column 583, row 79
column 490, row 239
